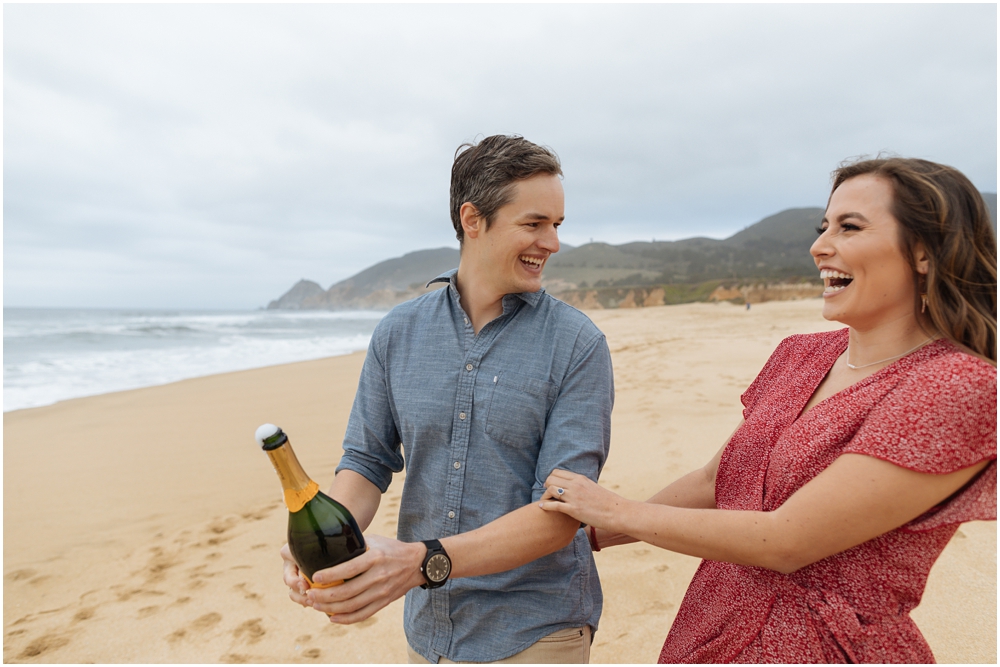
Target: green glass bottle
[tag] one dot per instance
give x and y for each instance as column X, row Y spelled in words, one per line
column 321, row 532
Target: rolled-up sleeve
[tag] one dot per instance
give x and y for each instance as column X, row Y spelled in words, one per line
column 372, row 442
column 578, row 430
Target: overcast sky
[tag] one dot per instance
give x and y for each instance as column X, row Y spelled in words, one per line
column 209, row 156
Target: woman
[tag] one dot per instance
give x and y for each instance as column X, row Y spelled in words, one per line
column 860, row 452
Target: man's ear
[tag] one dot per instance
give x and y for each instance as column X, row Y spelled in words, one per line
column 921, row 262
column 472, row 222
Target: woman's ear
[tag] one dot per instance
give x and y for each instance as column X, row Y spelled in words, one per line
column 921, row 262
column 470, row 219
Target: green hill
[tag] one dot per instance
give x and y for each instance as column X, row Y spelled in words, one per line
column 773, row 250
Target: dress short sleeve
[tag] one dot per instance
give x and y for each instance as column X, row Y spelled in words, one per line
column 941, row 418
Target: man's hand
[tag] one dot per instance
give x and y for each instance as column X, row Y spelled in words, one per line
column 297, row 584
column 371, row 581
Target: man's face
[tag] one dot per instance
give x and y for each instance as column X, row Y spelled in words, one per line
column 513, row 252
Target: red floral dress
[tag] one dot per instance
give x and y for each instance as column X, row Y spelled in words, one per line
column 933, row 411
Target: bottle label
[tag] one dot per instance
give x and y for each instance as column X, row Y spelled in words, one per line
column 296, row 499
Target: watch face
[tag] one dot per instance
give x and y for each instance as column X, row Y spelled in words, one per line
column 438, row 567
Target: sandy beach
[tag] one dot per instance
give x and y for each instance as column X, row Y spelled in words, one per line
column 144, row 526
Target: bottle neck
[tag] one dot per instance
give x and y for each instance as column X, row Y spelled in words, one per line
column 299, row 489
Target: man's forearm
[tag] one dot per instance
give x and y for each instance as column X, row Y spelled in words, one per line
column 511, row 541
column 358, row 495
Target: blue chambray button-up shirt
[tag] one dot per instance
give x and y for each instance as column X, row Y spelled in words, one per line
column 480, row 421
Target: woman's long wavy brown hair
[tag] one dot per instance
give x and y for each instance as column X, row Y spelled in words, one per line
column 938, row 207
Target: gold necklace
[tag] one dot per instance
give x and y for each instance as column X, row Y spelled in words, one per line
column 854, row 368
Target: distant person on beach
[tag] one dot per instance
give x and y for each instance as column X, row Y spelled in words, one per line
column 861, row 450
column 482, row 388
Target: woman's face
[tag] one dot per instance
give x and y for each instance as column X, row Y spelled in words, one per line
column 867, row 280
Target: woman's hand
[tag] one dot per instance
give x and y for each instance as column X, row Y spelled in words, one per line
column 582, row 499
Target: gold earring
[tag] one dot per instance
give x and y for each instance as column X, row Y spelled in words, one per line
column 923, row 303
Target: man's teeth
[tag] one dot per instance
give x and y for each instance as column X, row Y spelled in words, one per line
column 531, row 260
column 830, row 273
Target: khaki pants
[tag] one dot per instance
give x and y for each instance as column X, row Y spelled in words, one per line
column 570, row 646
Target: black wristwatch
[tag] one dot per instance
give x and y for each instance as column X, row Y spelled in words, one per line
column 436, row 566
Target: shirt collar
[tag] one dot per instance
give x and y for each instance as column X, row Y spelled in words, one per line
column 451, row 277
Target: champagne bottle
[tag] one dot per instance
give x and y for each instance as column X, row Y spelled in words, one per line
column 321, row 532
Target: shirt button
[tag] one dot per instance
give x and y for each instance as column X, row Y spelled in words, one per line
column 468, row 367
column 461, row 415
column 451, row 515
column 466, row 320
column 457, row 465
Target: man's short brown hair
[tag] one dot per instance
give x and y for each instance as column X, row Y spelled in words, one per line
column 484, row 174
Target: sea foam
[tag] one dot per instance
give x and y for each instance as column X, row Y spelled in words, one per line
column 55, row 354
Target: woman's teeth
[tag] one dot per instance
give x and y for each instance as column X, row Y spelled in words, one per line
column 835, row 280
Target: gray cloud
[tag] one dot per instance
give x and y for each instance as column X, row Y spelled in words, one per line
column 211, row 155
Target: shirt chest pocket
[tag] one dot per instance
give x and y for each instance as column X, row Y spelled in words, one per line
column 518, row 408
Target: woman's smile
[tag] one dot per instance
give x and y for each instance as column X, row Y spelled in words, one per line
column 834, row 281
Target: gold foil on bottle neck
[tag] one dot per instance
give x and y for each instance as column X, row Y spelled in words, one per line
column 299, row 489
column 296, row 499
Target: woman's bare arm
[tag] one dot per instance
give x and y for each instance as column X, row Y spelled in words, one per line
column 695, row 490
column 854, row 500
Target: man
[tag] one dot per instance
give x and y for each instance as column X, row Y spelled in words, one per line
column 486, row 386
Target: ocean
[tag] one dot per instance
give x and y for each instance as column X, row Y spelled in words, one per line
column 51, row 354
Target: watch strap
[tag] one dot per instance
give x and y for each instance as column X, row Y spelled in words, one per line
column 433, row 548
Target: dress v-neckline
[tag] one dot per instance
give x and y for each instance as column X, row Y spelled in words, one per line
column 852, row 387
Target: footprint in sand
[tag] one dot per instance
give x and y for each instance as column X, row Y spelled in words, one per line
column 197, row 576
column 85, row 614
column 334, row 630
column 257, row 515
column 250, row 631
column 198, row 625
column 44, row 644
column 158, row 564
column 141, row 592
column 20, row 575
column 146, row 612
column 247, row 595
column 234, row 659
